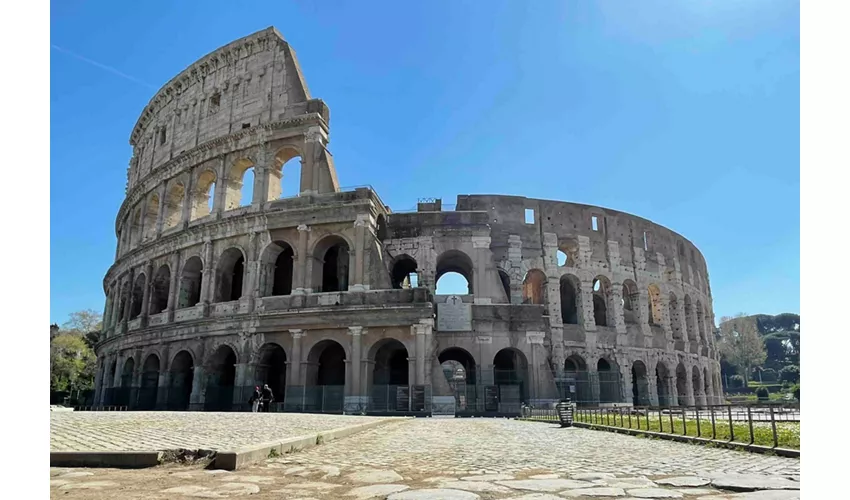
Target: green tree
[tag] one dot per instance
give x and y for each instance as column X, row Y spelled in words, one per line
column 741, row 344
column 72, row 363
column 86, row 323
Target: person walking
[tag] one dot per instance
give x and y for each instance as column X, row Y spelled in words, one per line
column 255, row 399
column 268, row 397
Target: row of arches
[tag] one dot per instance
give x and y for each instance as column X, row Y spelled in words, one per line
column 239, row 181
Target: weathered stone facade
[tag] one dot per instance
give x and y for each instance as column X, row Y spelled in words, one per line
column 313, row 291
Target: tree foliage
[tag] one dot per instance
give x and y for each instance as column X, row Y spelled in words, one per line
column 790, row 374
column 741, row 344
column 86, row 323
column 72, row 363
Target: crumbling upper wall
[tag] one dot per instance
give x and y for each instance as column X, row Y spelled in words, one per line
column 251, row 81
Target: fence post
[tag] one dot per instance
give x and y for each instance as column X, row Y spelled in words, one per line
column 660, row 421
column 684, row 422
column 713, row 429
column 670, row 413
column 647, row 418
column 731, row 427
column 630, row 419
column 699, row 426
column 773, row 425
column 750, row 419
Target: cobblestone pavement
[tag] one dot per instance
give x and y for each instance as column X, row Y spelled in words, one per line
column 143, row 431
column 463, row 459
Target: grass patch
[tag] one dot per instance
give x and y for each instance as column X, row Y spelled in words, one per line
column 788, row 433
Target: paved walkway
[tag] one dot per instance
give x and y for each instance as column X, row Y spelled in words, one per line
column 151, row 431
column 463, row 459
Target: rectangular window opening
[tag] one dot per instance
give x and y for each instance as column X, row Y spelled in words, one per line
column 594, row 221
column 414, row 280
column 529, row 216
column 246, row 125
column 162, row 136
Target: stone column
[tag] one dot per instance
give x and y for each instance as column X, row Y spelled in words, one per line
column 360, row 227
column 196, row 399
column 173, row 287
column 689, row 388
column 188, row 199
column 626, row 375
column 617, row 299
column 355, row 393
column 160, row 216
column 98, row 380
column 220, row 188
column 295, row 365
column 672, row 390
column 261, row 182
column 481, row 244
column 130, row 279
column 146, row 293
column 423, row 332
column 163, row 385
column 666, row 320
column 586, row 292
column 244, row 378
column 206, row 277
column 249, row 284
column 643, row 309
column 301, row 275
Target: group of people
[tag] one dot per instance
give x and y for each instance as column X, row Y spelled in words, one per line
column 261, row 400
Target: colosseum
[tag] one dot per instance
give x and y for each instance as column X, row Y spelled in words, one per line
column 330, row 297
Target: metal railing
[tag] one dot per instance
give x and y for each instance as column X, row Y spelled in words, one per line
column 760, row 427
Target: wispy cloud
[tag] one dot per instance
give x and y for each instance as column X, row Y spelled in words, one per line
column 102, row 66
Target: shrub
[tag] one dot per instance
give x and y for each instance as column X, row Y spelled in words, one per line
column 797, row 392
column 768, row 375
column 736, row 381
column 790, row 374
column 762, row 394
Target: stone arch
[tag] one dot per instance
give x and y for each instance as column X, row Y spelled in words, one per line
column 150, row 382
column 675, row 320
column 603, row 309
column 190, row 283
column 151, row 216
column 203, row 195
column 236, row 175
column 123, row 394
column 136, row 227
column 277, row 268
column 455, row 261
column 159, row 290
column 221, row 378
column 453, row 358
column 326, row 364
column 287, row 163
column 331, row 264
column 655, row 314
column 230, row 274
column 662, row 384
column 138, row 295
column 390, row 363
column 608, row 372
column 534, row 287
column 689, row 318
column 577, row 380
column 271, row 369
column 640, row 384
column 631, row 302
column 682, row 384
column 510, row 368
column 173, row 205
column 570, row 299
column 181, row 373
column 403, row 267
column 570, row 249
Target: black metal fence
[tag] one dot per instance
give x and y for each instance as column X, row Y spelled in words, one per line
column 757, row 427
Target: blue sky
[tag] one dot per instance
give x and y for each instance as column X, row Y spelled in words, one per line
column 686, row 113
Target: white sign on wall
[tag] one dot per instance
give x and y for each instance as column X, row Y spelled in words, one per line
column 454, row 315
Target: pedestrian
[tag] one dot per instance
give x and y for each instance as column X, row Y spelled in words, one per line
column 268, row 397
column 255, row 399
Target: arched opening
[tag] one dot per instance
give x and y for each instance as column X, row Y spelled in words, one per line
column 391, row 366
column 240, row 184
column 331, row 265
column 631, row 302
column 403, row 274
column 640, row 384
column 453, row 357
column 609, row 381
column 150, row 383
column 204, row 195
column 506, row 285
column 271, row 370
column 569, row 299
column 124, row 395
column 696, row 383
column 682, row 384
column 325, row 377
column 689, row 318
column 221, row 377
column 138, row 294
column 654, row 305
column 182, row 376
column 454, row 273
column 174, row 206
column 151, row 215
column 229, row 275
column 675, row 320
column 577, row 381
column 534, row 287
column 136, row 227
column 562, row 258
column 277, row 266
column 159, row 290
column 190, row 283
column 123, row 300
column 700, row 321
column 510, row 375
column 662, row 386
column 285, row 176
column 601, row 302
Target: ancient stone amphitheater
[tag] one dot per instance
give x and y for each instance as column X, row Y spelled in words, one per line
column 330, row 297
